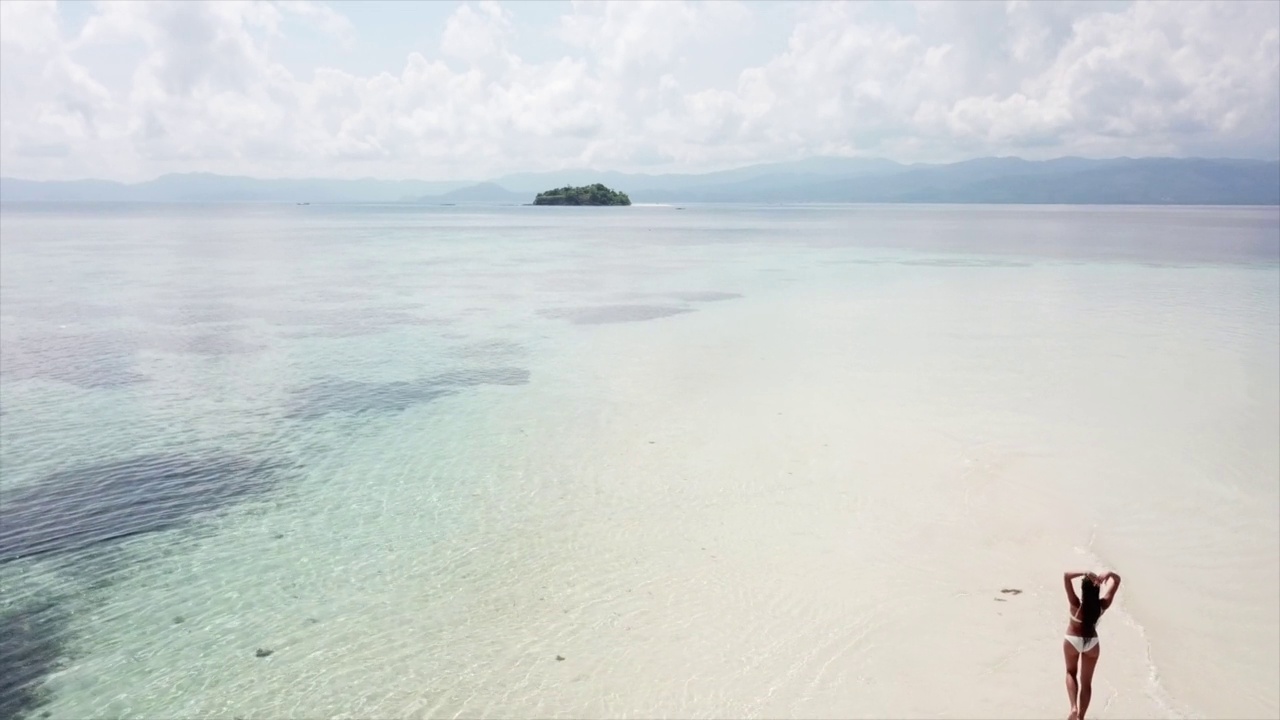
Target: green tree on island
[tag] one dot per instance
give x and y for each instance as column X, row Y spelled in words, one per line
column 586, row 195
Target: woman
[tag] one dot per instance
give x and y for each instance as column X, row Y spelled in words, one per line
column 1080, row 648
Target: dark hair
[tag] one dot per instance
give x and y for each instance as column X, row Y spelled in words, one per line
column 1090, row 605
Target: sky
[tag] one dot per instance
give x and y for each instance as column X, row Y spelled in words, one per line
column 471, row 90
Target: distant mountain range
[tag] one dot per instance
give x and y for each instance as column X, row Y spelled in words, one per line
column 486, row 192
column 207, row 187
column 1157, row 181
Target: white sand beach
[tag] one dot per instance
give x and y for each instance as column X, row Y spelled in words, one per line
column 801, row 528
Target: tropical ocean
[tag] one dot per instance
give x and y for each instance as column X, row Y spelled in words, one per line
column 267, row 461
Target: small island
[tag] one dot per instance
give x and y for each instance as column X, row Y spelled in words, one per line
column 586, row 195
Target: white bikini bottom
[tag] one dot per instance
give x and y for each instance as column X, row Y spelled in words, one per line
column 1082, row 644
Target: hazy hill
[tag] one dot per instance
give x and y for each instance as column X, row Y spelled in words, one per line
column 1010, row 180
column 481, row 193
column 811, row 168
column 207, row 187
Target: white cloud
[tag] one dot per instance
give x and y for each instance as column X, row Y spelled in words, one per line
column 28, row 26
column 477, row 33
column 323, row 17
column 648, row 37
column 151, row 87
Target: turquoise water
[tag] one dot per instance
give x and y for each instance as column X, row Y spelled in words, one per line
column 303, row 432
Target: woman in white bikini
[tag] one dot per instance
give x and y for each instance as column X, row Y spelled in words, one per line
column 1080, row 647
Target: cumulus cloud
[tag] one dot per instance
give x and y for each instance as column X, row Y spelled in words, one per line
column 477, row 33
column 323, row 17
column 142, row 88
column 648, row 37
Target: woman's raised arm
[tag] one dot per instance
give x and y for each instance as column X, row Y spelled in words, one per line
column 1112, row 587
column 1067, row 577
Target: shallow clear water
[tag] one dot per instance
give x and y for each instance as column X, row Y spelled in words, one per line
column 364, row 438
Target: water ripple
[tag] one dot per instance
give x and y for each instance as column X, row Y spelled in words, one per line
column 77, row 508
column 604, row 314
column 337, row 395
column 31, row 647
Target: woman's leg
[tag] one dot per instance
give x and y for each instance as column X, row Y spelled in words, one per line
column 1072, row 658
column 1088, row 661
